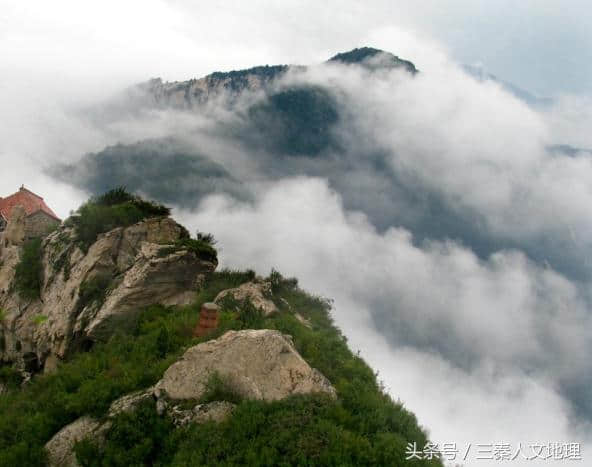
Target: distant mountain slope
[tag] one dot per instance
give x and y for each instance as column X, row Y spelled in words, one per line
column 271, row 122
column 373, row 58
column 166, row 169
column 532, row 100
column 296, row 120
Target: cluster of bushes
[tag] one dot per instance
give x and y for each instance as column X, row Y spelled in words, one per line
column 10, row 377
column 297, row 121
column 29, row 271
column 202, row 248
column 93, row 290
column 116, row 208
column 362, row 427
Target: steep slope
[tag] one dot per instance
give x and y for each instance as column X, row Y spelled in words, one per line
column 275, row 383
column 275, row 112
column 168, row 169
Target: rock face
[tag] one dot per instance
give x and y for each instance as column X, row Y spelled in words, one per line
column 257, row 293
column 15, row 229
column 60, row 448
column 196, row 92
column 257, row 364
column 127, row 268
column 216, row 411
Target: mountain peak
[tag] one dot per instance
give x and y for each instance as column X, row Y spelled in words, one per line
column 373, row 58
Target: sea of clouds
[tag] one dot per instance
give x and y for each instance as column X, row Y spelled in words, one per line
column 455, row 245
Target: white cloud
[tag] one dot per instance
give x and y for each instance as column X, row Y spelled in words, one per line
column 507, row 313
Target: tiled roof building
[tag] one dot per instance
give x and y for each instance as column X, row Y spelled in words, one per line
column 39, row 217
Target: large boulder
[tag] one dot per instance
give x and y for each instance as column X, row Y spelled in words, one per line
column 131, row 267
column 60, row 449
column 257, row 292
column 256, row 364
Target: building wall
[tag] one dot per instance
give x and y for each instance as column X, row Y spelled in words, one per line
column 39, row 224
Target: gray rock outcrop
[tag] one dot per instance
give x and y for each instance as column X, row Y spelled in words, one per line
column 216, row 412
column 14, row 234
column 60, row 449
column 256, row 364
column 257, row 292
column 132, row 267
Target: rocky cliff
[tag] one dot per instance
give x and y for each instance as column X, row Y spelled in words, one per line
column 194, row 93
column 84, row 296
column 101, row 318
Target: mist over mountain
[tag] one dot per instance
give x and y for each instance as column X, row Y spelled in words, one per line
column 165, row 169
column 451, row 228
column 534, row 101
column 295, row 120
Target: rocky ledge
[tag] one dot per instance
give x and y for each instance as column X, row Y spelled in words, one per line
column 84, row 296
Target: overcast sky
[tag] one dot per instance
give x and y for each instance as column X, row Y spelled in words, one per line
column 544, row 46
column 62, row 56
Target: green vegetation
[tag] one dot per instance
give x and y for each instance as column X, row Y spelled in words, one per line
column 361, row 55
column 28, row 274
column 362, row 427
column 356, row 55
column 202, row 248
column 296, row 121
column 238, row 80
column 62, row 261
column 93, row 290
column 115, row 208
column 39, row 319
column 219, row 389
column 166, row 169
column 136, row 439
column 10, row 377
